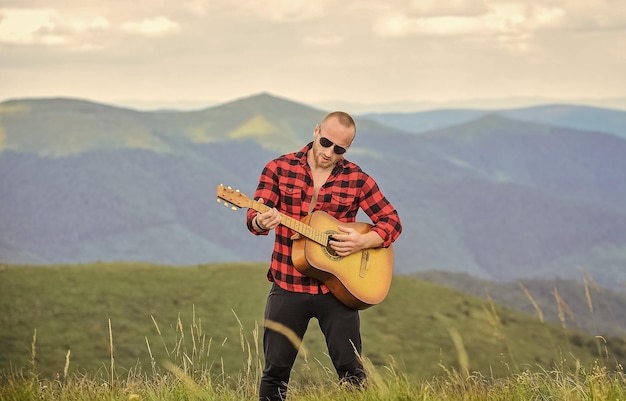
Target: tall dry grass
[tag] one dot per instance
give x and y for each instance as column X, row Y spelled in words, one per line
column 189, row 373
column 193, row 370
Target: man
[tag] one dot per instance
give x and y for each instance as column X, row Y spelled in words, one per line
column 318, row 177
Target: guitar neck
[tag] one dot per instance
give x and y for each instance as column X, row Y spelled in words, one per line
column 296, row 225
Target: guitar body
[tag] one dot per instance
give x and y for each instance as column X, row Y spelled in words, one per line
column 359, row 280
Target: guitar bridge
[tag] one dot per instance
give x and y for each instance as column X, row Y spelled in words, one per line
column 365, row 263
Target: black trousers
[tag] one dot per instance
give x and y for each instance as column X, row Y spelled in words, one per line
column 339, row 324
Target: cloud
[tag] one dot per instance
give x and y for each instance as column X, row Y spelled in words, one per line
column 598, row 15
column 323, row 40
column 28, row 26
column 506, row 25
column 509, row 18
column 197, row 7
column 384, row 49
column 75, row 31
column 438, row 8
column 157, row 26
column 284, row 11
column 498, row 17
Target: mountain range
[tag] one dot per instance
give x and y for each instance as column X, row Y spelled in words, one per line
column 501, row 195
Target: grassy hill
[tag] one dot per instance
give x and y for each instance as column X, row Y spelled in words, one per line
column 211, row 316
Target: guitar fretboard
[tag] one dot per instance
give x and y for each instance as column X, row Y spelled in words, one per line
column 296, row 225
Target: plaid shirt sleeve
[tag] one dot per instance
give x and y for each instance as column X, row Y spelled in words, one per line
column 268, row 191
column 286, row 183
column 384, row 216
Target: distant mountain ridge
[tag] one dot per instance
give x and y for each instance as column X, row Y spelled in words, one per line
column 75, row 126
column 492, row 196
column 570, row 116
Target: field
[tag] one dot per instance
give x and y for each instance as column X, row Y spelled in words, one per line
column 139, row 331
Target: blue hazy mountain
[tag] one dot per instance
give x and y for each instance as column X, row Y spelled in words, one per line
column 534, row 192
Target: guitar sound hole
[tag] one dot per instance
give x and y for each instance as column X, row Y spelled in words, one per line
column 328, row 250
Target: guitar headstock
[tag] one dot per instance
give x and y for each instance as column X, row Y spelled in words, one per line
column 232, row 196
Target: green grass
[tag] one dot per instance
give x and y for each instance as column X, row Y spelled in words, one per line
column 385, row 383
column 108, row 331
column 70, row 307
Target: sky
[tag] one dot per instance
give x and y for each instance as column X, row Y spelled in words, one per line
column 373, row 54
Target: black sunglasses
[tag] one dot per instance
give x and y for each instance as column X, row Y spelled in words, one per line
column 327, row 143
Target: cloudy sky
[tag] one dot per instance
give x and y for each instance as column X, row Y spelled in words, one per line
column 194, row 52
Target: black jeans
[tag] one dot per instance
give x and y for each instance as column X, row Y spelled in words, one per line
column 339, row 324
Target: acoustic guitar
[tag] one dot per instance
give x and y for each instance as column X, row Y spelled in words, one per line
column 359, row 280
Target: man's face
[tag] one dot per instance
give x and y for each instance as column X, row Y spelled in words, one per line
column 330, row 137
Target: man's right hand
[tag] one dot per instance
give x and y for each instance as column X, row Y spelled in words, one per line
column 268, row 220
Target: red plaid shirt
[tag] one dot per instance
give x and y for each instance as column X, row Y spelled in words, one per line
column 286, row 183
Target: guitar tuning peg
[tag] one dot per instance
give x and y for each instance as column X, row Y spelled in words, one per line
column 237, row 190
column 233, row 208
column 230, row 188
column 226, row 204
column 218, row 200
